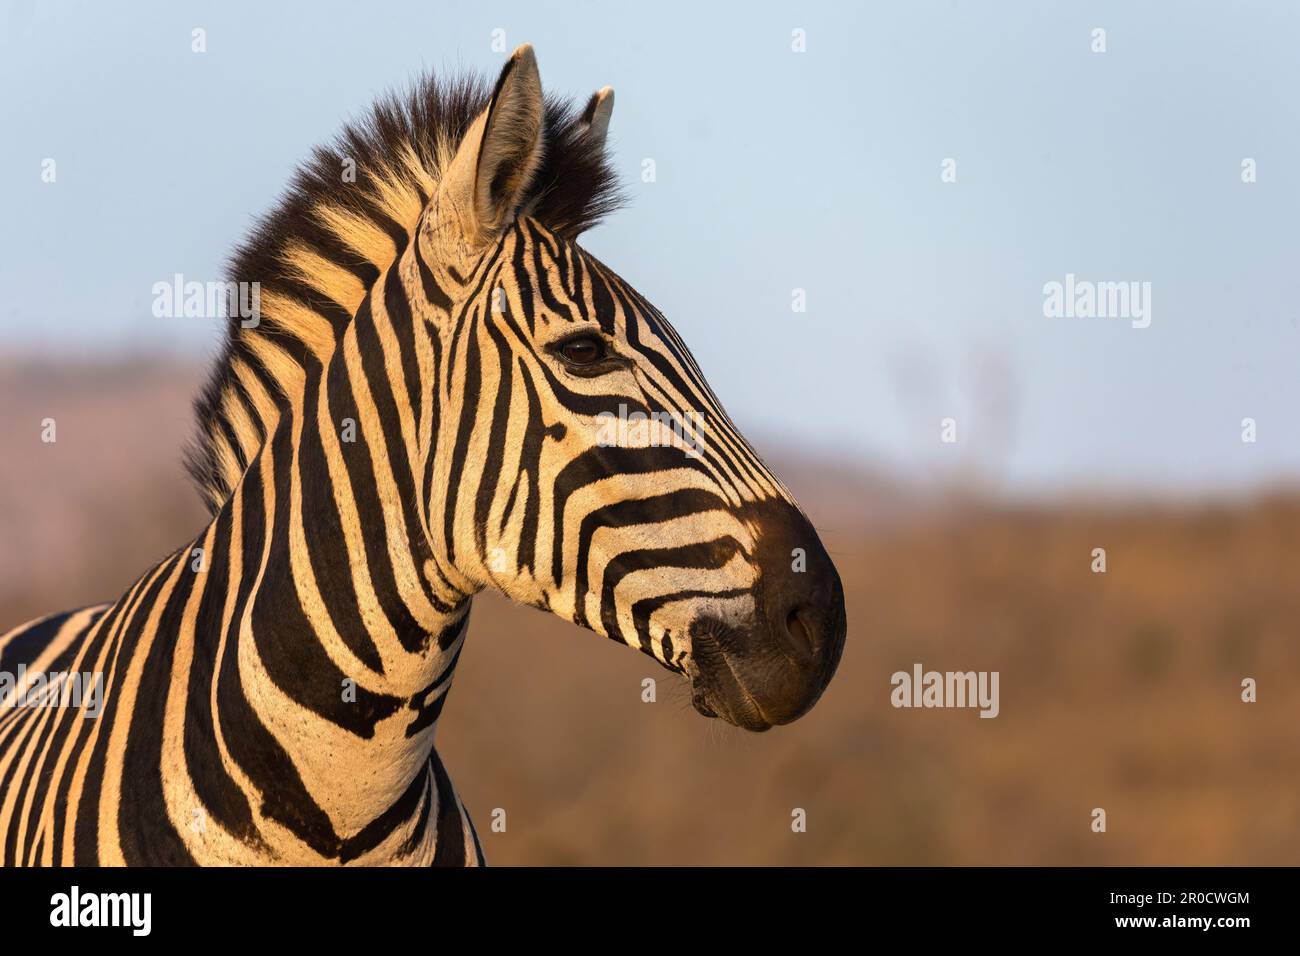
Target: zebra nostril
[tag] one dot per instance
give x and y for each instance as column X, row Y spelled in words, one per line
column 800, row 633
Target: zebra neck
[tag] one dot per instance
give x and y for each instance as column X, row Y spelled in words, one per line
column 346, row 650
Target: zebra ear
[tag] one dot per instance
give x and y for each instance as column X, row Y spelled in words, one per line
column 496, row 162
column 595, row 118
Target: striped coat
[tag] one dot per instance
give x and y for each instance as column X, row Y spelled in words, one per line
column 443, row 393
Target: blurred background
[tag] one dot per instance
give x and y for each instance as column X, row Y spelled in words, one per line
column 776, row 171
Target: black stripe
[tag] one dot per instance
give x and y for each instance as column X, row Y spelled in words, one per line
column 451, row 837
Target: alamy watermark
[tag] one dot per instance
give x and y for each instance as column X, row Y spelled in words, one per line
column 54, row 689
column 133, row 911
column 1085, row 299
column 208, row 300
column 922, row 688
column 637, row 429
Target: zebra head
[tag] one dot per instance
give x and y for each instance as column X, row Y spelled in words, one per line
column 583, row 465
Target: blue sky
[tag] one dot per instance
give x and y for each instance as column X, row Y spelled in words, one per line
column 775, row 170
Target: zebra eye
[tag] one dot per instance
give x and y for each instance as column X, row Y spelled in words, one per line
column 583, row 350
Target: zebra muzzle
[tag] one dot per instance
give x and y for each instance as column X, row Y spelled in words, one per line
column 773, row 669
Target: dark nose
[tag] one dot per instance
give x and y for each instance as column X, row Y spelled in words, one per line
column 774, row 669
column 800, row 595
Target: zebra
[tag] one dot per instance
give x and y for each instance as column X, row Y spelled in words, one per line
column 413, row 419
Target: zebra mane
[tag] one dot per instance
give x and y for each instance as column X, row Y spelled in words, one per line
column 317, row 253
